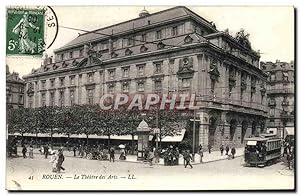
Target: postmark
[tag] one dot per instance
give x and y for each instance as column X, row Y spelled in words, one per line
column 30, row 31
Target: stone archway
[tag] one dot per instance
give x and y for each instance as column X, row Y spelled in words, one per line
column 244, row 130
column 232, row 130
column 212, row 131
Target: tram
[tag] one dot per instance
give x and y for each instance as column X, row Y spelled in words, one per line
column 262, row 150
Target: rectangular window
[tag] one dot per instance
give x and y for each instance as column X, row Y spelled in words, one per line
column 43, row 99
column 111, row 89
column 158, row 34
column 43, row 84
column 62, row 81
column 90, row 77
column 72, row 97
column 9, row 98
column 186, row 82
column 157, row 67
column 125, row 72
column 52, row 99
column 130, row 41
column 115, row 44
column 52, row 83
column 61, row 98
column 141, row 87
column 62, row 57
column 144, row 37
column 71, row 55
column 20, row 99
column 21, row 89
column 140, row 70
column 272, row 112
column 72, row 80
column 30, row 102
column 111, row 74
column 90, row 96
column 272, row 77
column 157, row 85
column 174, row 31
column 125, row 87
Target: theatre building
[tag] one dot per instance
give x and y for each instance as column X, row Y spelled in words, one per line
column 171, row 51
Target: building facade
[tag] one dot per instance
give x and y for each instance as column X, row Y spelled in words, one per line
column 280, row 95
column 172, row 51
column 15, row 87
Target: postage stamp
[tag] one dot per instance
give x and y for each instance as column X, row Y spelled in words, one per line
column 25, row 32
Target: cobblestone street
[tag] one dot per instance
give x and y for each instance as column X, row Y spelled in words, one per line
column 36, row 174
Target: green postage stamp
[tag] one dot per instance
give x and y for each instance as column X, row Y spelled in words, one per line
column 25, row 32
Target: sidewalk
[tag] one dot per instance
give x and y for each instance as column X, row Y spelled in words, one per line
column 207, row 158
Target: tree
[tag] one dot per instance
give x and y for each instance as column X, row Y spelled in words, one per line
column 49, row 120
column 129, row 122
column 87, row 120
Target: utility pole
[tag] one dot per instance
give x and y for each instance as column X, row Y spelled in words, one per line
column 194, row 133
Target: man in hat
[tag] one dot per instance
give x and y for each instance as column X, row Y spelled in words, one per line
column 112, row 154
column 187, row 158
column 60, row 160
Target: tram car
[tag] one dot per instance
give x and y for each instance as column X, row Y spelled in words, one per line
column 264, row 149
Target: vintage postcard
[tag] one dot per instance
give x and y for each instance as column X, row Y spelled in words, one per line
column 150, row 98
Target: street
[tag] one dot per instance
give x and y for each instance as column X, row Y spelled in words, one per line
column 83, row 174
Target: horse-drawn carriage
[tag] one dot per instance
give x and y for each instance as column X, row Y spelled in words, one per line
column 97, row 154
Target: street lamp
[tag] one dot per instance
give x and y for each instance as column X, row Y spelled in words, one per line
column 194, row 134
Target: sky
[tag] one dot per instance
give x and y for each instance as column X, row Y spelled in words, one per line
column 271, row 29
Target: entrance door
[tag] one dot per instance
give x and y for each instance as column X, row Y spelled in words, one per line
column 211, row 136
column 212, row 130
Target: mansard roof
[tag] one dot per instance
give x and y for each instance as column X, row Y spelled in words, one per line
column 137, row 23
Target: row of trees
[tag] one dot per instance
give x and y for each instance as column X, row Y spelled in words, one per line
column 92, row 120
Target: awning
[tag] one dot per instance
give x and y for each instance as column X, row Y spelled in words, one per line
column 289, row 131
column 177, row 137
column 55, row 135
column 251, row 143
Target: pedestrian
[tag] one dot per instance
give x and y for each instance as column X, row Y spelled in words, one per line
column 156, row 154
column 200, row 147
column 31, row 151
column 60, row 160
column 46, row 151
column 74, row 150
column 187, row 158
column 24, row 151
column 122, row 154
column 150, row 158
column 222, row 149
column 177, row 155
column 233, row 151
column 53, row 160
column 227, row 149
column 201, row 156
column 209, row 148
column 112, row 154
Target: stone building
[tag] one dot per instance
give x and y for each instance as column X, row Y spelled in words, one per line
column 171, row 51
column 14, row 90
column 280, row 96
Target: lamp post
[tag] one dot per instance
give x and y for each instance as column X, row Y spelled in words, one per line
column 194, row 134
